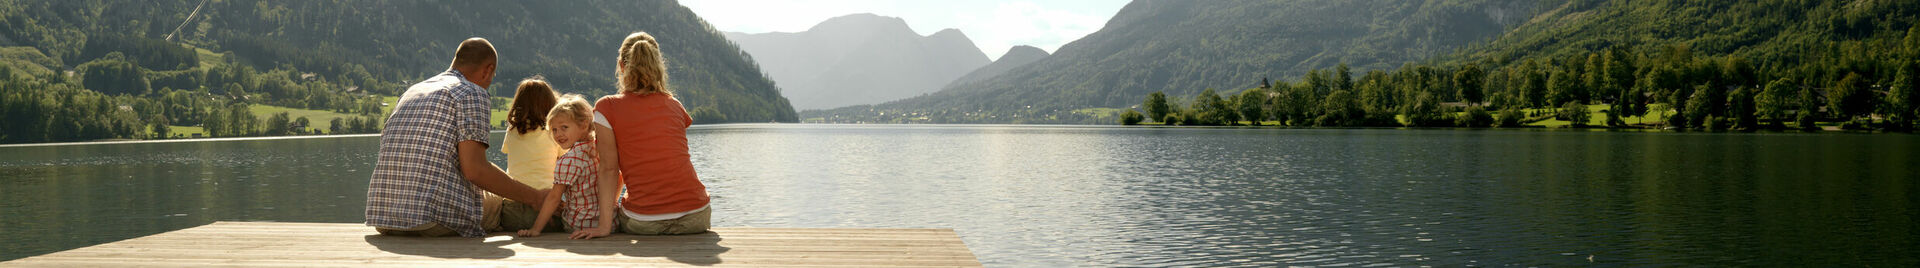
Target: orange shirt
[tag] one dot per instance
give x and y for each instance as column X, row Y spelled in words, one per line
column 650, row 131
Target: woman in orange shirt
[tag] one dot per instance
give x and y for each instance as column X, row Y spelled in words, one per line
column 648, row 151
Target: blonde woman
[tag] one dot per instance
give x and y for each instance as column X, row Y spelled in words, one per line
column 643, row 147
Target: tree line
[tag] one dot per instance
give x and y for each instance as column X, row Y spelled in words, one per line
column 104, row 103
column 1855, row 84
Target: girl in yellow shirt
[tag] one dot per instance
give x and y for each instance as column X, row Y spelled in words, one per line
column 529, row 145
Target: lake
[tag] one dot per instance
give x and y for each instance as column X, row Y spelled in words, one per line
column 1110, row 196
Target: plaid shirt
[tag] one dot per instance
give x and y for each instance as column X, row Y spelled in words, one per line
column 577, row 170
column 417, row 180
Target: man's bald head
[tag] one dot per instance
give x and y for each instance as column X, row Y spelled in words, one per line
column 476, row 59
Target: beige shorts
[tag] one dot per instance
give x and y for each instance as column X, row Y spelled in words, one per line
column 695, row 223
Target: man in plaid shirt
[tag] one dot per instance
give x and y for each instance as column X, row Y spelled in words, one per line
column 433, row 154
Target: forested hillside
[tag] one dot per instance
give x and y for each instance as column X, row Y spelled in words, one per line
column 1187, row 46
column 1680, row 65
column 336, row 56
column 1015, row 57
column 1685, row 64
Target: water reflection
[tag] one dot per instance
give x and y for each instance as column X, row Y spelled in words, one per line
column 1065, row 196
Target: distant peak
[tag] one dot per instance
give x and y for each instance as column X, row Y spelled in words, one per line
column 950, row 31
column 1026, row 49
column 1024, row 52
column 861, row 20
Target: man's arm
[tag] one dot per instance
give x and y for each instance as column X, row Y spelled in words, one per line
column 475, row 167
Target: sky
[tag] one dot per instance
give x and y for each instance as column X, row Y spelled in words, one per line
column 994, row 25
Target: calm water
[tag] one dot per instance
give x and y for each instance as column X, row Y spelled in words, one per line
column 1088, row 196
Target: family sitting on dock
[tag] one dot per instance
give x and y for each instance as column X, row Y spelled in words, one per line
column 432, row 177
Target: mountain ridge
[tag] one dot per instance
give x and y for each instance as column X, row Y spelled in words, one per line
column 860, row 59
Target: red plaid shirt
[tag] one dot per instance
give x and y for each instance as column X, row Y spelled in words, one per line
column 577, row 171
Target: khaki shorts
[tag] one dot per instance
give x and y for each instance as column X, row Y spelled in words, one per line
column 506, row 215
column 695, row 223
column 424, row 230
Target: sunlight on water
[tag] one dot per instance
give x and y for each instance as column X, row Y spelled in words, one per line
column 1092, row 196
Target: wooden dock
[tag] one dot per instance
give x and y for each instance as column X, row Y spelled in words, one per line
column 254, row 244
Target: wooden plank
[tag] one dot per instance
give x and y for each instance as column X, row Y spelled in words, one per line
column 349, row 244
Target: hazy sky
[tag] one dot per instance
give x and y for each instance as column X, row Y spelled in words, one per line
column 994, row 25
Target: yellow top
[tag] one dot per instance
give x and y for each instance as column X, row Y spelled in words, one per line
column 530, row 157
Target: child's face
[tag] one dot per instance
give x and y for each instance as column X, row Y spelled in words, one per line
column 567, row 130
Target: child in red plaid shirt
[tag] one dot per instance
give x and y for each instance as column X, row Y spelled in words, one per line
column 575, row 172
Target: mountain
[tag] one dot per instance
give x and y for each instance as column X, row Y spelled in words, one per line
column 860, row 59
column 364, row 46
column 1015, row 57
column 1183, row 47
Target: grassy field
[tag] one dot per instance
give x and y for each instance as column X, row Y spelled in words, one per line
column 186, row 132
column 495, row 118
column 26, row 61
column 317, row 119
column 208, row 59
column 1597, row 116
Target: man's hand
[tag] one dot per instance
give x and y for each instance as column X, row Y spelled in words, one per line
column 591, row 233
column 530, row 233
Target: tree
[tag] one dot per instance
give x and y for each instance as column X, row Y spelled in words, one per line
column 1227, row 114
column 1740, row 106
column 114, row 77
column 1773, row 102
column 1157, row 106
column 1850, row 97
column 1469, row 81
column 1475, row 116
column 1740, row 73
column 160, row 128
column 1508, row 118
column 1678, row 99
column 1809, row 109
column 1131, row 117
column 336, row 125
column 238, row 94
column 1209, row 109
column 1563, row 87
column 1575, row 114
column 1533, row 85
column 1594, row 78
column 1250, row 103
column 1424, row 111
column 1901, row 100
column 215, row 122
column 1343, row 78
column 278, row 124
column 1340, row 109
column 300, row 125
column 707, row 115
column 241, row 121
column 1697, row 109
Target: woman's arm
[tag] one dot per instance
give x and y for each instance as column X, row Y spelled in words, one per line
column 608, row 152
column 546, row 211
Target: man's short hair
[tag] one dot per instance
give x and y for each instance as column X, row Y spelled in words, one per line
column 474, row 52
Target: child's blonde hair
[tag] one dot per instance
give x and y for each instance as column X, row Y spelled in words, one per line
column 530, row 105
column 572, row 106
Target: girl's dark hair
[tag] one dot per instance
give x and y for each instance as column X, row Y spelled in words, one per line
column 530, row 105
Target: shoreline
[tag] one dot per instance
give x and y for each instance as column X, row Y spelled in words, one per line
column 1140, row 126
column 111, row 142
